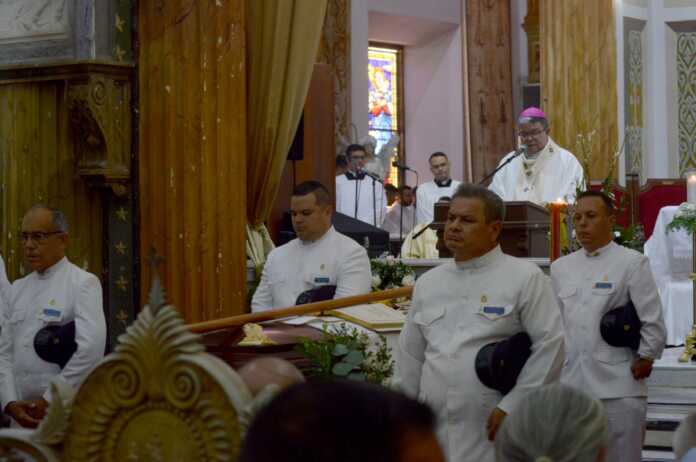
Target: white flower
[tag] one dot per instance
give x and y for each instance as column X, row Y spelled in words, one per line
column 408, row 280
column 391, row 261
column 376, row 281
column 617, row 233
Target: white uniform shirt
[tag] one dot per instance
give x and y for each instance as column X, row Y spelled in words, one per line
column 428, row 194
column 63, row 293
column 4, row 283
column 333, row 259
column 393, row 219
column 555, row 175
column 457, row 309
column 587, row 288
column 368, row 210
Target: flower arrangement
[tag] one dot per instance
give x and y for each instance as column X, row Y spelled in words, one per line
column 388, row 273
column 684, row 219
column 346, row 353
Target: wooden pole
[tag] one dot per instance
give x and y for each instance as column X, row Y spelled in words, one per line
column 317, row 307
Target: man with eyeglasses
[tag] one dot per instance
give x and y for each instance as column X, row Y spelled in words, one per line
column 55, row 293
column 543, row 172
column 359, row 193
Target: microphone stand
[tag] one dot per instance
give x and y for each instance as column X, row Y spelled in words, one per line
column 517, row 153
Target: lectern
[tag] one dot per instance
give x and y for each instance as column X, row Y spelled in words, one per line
column 525, row 230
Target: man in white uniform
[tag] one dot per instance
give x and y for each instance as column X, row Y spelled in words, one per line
column 442, row 185
column 319, row 256
column 4, row 283
column 54, row 294
column 483, row 296
column 545, row 172
column 401, row 212
column 590, row 282
column 360, row 194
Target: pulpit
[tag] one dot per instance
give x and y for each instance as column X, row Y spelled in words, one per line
column 525, row 230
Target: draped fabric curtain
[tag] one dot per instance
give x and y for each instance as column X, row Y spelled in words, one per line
column 578, row 78
column 282, row 42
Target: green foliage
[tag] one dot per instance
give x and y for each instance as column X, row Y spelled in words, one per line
column 346, row 353
column 631, row 236
column 684, row 219
column 389, row 273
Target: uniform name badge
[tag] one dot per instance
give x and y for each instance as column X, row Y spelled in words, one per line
column 603, row 286
column 321, row 280
column 493, row 312
column 51, row 315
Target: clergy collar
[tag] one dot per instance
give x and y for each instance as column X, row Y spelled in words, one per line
column 601, row 251
column 443, row 184
column 50, row 271
column 479, row 262
column 355, row 175
column 322, row 238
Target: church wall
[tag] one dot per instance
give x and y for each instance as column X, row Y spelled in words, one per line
column 434, row 104
column 432, row 80
column 667, row 30
column 192, row 149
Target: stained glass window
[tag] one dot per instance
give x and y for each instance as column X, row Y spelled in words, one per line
column 385, row 106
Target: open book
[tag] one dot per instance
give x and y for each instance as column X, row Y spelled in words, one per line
column 375, row 316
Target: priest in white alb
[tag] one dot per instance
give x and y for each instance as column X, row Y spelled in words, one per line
column 543, row 171
column 442, row 185
column 359, row 193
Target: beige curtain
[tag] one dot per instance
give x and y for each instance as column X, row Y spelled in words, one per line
column 282, row 42
column 578, row 78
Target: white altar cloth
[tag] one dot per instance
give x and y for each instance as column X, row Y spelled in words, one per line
column 670, row 257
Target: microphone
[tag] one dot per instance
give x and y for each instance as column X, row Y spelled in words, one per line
column 521, row 150
column 401, row 166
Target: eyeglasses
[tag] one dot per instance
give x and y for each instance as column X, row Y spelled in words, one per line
column 39, row 237
column 533, row 134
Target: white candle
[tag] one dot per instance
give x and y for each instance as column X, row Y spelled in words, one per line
column 691, row 187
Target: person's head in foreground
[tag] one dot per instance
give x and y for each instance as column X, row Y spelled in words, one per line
column 554, row 423
column 685, row 439
column 342, row 421
column 593, row 219
column 474, row 222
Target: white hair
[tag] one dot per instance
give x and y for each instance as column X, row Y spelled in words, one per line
column 554, row 423
column 685, row 436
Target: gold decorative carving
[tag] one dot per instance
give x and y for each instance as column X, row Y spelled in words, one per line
column 158, row 397
column 100, row 117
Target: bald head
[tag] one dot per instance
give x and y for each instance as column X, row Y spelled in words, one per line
column 260, row 372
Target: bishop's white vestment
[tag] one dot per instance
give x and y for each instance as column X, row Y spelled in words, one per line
column 553, row 174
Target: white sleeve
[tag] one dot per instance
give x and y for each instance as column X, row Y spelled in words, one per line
column 541, row 319
column 412, row 344
column 644, row 295
column 90, row 334
column 8, row 392
column 354, row 276
column 263, row 296
column 4, row 283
